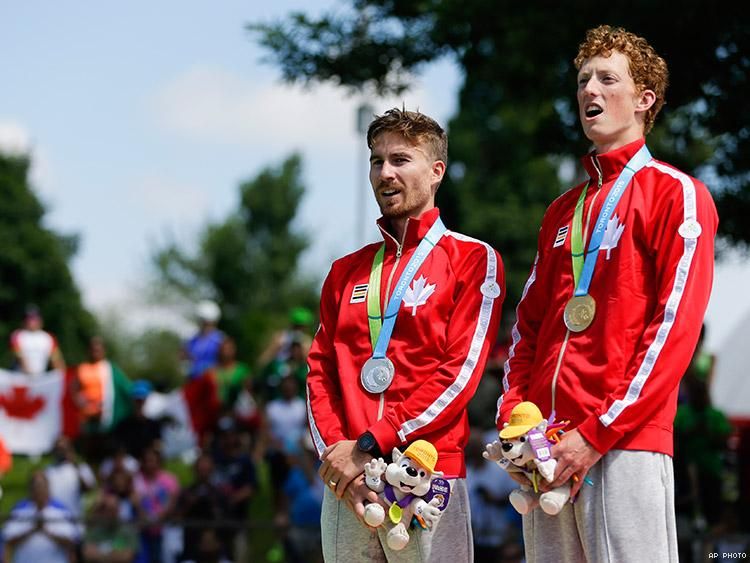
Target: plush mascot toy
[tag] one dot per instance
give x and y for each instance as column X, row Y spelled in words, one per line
column 524, row 446
column 415, row 492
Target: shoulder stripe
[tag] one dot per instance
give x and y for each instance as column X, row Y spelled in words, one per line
column 673, row 302
column 320, row 445
column 475, row 349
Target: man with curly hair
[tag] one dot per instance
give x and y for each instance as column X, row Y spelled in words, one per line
column 610, row 316
column 398, row 361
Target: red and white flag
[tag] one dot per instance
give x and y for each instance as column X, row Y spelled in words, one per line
column 31, row 411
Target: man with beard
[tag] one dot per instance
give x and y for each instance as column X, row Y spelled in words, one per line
column 406, row 326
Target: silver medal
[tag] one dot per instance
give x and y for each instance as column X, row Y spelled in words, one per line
column 377, row 374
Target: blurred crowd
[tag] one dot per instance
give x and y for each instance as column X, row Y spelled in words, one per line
column 106, row 492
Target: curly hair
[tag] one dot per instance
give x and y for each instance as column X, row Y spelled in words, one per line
column 415, row 127
column 649, row 70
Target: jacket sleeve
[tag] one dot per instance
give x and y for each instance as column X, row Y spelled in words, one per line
column 529, row 315
column 684, row 267
column 324, row 404
column 472, row 330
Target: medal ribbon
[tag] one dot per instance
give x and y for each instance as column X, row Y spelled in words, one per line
column 639, row 160
column 576, row 237
column 374, row 316
column 381, row 330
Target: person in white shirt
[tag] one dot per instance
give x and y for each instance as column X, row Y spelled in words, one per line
column 39, row 529
column 35, row 348
column 68, row 478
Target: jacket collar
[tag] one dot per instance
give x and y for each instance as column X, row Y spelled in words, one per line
column 608, row 166
column 415, row 231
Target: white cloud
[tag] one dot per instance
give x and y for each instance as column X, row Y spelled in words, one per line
column 215, row 105
column 167, row 200
column 14, row 138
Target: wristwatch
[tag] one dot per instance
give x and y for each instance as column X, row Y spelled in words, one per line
column 366, row 443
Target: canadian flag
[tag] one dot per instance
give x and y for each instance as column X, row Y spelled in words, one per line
column 31, row 411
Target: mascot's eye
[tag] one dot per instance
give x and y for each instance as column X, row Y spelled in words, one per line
column 405, row 464
column 422, row 474
column 522, row 438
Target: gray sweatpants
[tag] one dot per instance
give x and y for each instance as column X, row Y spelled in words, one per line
column 627, row 516
column 345, row 540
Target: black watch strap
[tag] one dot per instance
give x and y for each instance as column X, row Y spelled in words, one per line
column 368, row 444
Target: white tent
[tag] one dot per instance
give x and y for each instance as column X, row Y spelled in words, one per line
column 730, row 391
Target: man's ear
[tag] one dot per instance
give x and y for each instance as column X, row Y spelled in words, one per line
column 645, row 100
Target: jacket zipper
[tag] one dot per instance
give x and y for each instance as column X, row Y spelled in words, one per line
column 599, row 183
column 399, row 251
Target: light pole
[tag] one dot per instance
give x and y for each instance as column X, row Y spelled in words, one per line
column 364, row 117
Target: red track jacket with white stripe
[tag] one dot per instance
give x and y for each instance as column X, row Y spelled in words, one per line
column 618, row 379
column 439, row 345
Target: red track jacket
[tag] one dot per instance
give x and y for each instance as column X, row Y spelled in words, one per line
column 439, row 348
column 618, row 379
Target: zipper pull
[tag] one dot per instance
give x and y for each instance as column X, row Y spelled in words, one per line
column 399, row 248
column 600, row 180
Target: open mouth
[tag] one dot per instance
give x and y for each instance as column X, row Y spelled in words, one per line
column 592, row 110
column 390, row 192
column 404, row 487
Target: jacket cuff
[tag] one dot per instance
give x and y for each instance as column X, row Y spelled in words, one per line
column 601, row 437
column 385, row 435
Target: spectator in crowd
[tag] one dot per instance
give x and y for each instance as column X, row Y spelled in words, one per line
column 101, row 391
column 287, row 423
column 303, row 501
column 35, row 348
column 701, row 434
column 120, row 484
column 249, row 416
column 493, row 520
column 68, row 477
column 157, row 491
column 300, row 321
column 294, row 365
column 40, row 529
column 120, row 459
column 109, row 539
column 200, row 502
column 230, row 374
column 701, row 367
column 210, row 548
column 202, row 351
column 235, row 476
column 138, row 432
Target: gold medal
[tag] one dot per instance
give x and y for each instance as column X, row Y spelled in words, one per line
column 579, row 312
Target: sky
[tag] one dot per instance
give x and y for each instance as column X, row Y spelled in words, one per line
column 142, row 118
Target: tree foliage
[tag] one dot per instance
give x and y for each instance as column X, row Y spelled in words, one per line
column 249, row 262
column 517, row 119
column 34, row 266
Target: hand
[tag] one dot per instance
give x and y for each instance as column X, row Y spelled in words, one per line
column 355, row 496
column 342, row 462
column 574, row 456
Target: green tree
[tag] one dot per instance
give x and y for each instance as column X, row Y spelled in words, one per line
column 249, row 262
column 517, row 119
column 34, row 267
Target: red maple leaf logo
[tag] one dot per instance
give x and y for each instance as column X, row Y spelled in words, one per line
column 18, row 403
